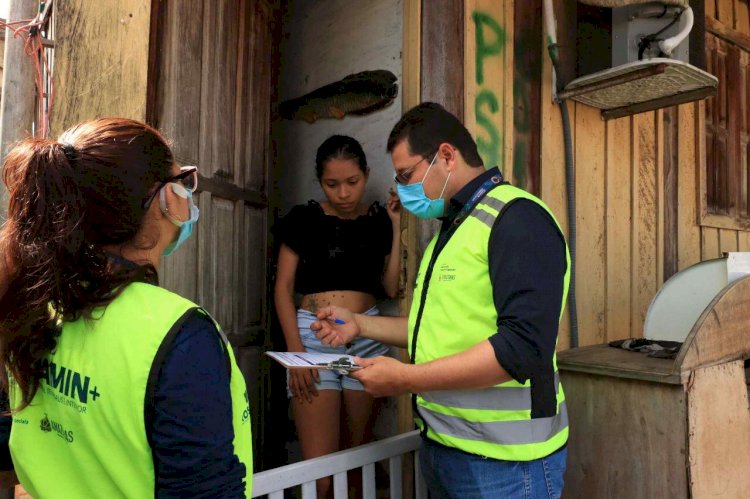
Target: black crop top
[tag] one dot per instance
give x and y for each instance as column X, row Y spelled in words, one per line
column 337, row 254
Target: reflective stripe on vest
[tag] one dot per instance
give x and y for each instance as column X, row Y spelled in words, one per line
column 523, row 431
column 459, row 312
column 513, row 398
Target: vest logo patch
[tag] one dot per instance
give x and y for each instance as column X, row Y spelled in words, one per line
column 47, row 425
column 446, row 273
column 246, row 411
column 69, row 387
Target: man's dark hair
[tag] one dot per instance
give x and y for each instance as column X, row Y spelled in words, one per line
column 428, row 125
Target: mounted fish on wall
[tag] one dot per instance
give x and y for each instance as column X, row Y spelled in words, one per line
column 356, row 94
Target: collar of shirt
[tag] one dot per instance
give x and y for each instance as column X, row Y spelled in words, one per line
column 145, row 274
column 464, row 194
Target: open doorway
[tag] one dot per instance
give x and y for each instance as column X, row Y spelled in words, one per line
column 323, row 42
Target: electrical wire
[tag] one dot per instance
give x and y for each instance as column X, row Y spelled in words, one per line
column 646, row 41
column 31, row 32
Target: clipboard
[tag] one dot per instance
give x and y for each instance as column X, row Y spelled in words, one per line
column 342, row 364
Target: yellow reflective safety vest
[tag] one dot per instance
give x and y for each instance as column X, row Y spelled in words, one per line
column 84, row 433
column 455, row 293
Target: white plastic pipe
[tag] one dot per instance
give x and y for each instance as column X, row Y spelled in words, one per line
column 668, row 45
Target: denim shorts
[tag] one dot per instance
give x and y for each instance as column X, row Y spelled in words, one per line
column 360, row 347
column 451, row 473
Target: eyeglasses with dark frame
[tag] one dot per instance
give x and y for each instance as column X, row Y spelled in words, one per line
column 405, row 175
column 188, row 177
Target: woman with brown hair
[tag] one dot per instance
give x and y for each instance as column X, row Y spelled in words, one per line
column 338, row 252
column 118, row 388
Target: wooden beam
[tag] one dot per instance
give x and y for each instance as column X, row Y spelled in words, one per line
column 527, row 90
column 442, row 28
column 156, row 26
column 727, row 33
column 671, row 162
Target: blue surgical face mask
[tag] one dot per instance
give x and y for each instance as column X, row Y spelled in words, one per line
column 186, row 227
column 414, row 199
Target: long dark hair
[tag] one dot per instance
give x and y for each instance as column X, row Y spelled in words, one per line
column 68, row 200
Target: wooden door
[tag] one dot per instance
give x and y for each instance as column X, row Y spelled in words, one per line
column 212, row 68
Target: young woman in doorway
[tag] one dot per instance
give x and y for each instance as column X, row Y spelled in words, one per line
column 338, row 252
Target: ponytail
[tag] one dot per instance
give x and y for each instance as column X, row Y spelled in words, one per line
column 53, row 268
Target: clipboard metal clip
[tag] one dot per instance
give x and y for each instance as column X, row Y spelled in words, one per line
column 341, row 366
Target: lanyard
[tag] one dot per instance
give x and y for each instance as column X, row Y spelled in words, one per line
column 467, row 208
column 442, row 240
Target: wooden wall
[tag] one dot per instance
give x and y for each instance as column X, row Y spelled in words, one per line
column 639, row 180
column 638, row 185
column 214, row 85
column 101, row 60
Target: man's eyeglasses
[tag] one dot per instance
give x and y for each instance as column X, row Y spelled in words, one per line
column 405, row 175
column 188, row 177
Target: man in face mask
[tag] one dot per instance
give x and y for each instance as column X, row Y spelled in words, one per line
column 483, row 324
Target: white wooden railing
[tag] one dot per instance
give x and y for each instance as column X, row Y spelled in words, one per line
column 273, row 482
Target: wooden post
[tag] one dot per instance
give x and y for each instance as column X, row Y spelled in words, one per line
column 18, row 90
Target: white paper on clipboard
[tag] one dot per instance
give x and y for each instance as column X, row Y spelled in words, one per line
column 308, row 360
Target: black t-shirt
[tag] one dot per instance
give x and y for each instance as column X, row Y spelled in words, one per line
column 337, row 254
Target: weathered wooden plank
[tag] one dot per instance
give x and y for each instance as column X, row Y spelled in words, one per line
column 179, row 78
column 734, row 125
column 488, row 48
column 622, row 433
column 527, row 59
column 691, row 159
column 719, row 432
column 741, row 17
column 252, row 268
column 606, row 360
column 218, row 88
column 743, row 241
column 660, row 205
column 508, row 95
column 591, row 225
column 442, row 57
column 101, row 66
column 441, row 72
column 222, row 244
column 411, row 52
column 618, row 243
column 670, row 205
column 253, row 150
column 245, row 89
column 727, row 240
column 725, row 33
column 709, row 243
column 410, row 96
column 711, row 9
column 645, row 231
column 720, row 333
column 725, row 12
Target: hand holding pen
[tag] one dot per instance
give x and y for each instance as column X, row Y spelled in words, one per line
column 336, row 326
